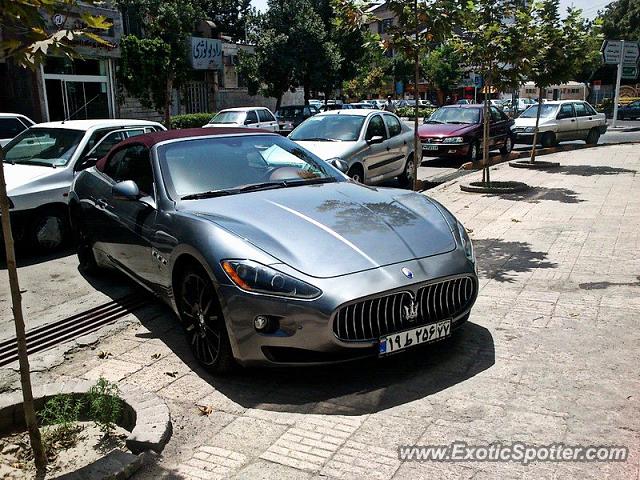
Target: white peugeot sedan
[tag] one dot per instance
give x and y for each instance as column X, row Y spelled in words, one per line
column 371, row 146
column 11, row 124
column 560, row 121
column 252, row 117
column 41, row 163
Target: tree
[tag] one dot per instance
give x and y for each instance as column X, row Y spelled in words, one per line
column 443, row 68
column 26, row 41
column 230, row 16
column 495, row 35
column 150, row 68
column 621, row 20
column 559, row 49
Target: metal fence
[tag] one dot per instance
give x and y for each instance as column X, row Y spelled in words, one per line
column 196, row 98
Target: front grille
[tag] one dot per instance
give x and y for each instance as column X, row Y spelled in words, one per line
column 375, row 317
column 431, row 139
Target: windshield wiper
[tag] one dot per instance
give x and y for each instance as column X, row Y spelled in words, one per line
column 460, row 123
column 433, row 121
column 318, row 139
column 256, row 187
column 35, row 162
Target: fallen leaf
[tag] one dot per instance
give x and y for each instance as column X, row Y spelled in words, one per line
column 104, row 355
column 171, row 374
column 205, row 410
column 515, row 220
column 469, row 230
column 156, row 356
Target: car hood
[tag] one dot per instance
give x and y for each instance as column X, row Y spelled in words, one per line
column 328, row 150
column 333, row 229
column 531, row 122
column 17, row 176
column 445, row 130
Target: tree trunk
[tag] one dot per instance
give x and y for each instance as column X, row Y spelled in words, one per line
column 278, row 101
column 167, row 103
column 535, row 132
column 485, row 130
column 307, row 90
column 40, row 458
column 417, row 155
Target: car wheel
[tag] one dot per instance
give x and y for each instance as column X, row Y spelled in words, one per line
column 473, row 152
column 593, row 137
column 548, row 139
column 406, row 178
column 49, row 229
column 202, row 316
column 356, row 173
column 508, row 146
column 84, row 247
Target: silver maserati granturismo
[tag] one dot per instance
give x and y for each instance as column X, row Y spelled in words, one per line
column 269, row 255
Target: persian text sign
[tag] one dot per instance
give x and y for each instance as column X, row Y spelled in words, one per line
column 205, row 53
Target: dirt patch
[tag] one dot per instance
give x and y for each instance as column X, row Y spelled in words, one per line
column 16, row 460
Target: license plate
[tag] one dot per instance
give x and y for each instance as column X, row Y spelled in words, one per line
column 430, row 147
column 416, row 336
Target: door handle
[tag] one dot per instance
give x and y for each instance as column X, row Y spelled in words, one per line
column 101, row 202
column 573, row 119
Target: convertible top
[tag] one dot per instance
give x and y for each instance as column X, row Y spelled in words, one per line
column 151, row 139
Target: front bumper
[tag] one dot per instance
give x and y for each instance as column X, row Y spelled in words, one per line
column 305, row 335
column 445, row 149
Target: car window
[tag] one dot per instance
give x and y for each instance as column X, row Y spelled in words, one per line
column 265, row 116
column 10, row 127
column 43, row 146
column 393, row 125
column 343, row 128
column 307, row 112
column 376, row 128
column 251, row 117
column 581, row 110
column 107, row 143
column 132, row 163
column 566, row 111
column 495, row 114
column 590, row 109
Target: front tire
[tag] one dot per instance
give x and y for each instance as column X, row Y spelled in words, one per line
column 356, row 173
column 508, row 146
column 548, row 140
column 84, row 247
column 406, row 178
column 473, row 152
column 202, row 317
column 48, row 230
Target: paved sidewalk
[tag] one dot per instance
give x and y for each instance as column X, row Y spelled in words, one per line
column 550, row 354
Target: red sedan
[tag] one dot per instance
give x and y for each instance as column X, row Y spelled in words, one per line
column 456, row 131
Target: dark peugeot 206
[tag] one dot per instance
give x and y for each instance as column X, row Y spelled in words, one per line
column 269, row 255
column 456, row 131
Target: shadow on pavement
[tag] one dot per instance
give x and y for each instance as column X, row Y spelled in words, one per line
column 26, row 257
column 538, row 194
column 501, row 260
column 591, row 170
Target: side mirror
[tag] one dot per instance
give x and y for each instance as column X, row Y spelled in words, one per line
column 375, row 139
column 249, row 122
column 127, row 190
column 339, row 164
column 86, row 162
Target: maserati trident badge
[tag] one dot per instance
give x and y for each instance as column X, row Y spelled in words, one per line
column 407, row 273
column 411, row 311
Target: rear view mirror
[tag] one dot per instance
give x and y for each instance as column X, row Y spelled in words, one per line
column 376, row 139
column 127, row 190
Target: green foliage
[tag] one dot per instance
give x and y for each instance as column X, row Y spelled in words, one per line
column 191, row 120
column 105, row 405
column 25, row 37
column 230, row 16
column 621, row 20
column 60, row 414
column 411, row 111
column 152, row 67
column 443, row 67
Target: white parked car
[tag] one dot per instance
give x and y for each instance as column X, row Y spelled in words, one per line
column 561, row 120
column 370, row 146
column 251, row 117
column 11, row 124
column 41, row 163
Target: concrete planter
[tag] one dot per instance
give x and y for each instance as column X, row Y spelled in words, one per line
column 537, row 165
column 145, row 415
column 495, row 187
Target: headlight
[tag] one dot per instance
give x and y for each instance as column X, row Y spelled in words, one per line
column 257, row 278
column 530, row 129
column 453, row 140
column 466, row 243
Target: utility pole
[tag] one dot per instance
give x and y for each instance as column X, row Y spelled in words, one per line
column 618, row 80
column 417, row 155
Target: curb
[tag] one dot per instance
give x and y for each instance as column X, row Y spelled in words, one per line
column 145, row 415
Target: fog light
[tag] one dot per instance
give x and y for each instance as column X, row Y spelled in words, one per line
column 261, row 323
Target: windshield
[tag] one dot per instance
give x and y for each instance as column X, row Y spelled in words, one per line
column 455, row 115
column 290, row 112
column 209, row 167
column 546, row 110
column 337, row 128
column 228, row 117
column 51, row 147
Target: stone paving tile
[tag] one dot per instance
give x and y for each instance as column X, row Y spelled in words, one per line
column 211, row 463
